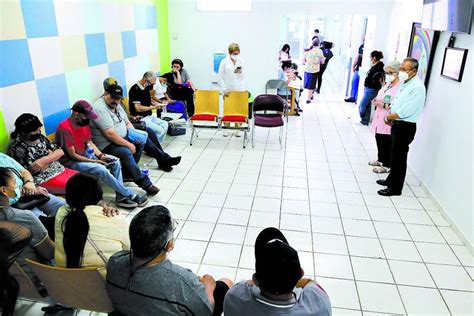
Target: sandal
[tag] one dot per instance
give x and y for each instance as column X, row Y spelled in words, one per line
column 375, row 163
column 381, row 169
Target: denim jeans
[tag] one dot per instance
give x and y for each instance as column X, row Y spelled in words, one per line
column 51, row 207
column 365, row 105
column 355, row 85
column 153, row 147
column 159, row 126
column 130, row 163
column 111, row 175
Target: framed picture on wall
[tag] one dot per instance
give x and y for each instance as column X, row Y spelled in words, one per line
column 454, row 61
column 422, row 47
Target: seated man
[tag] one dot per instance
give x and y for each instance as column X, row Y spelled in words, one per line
column 109, row 133
column 277, row 286
column 25, row 183
column 74, row 137
column 145, row 282
column 141, row 103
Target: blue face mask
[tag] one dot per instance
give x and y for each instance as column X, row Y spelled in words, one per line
column 13, row 200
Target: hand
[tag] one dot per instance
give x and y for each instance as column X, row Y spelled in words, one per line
column 226, row 93
column 171, row 101
column 107, row 158
column 132, row 148
column 38, row 166
column 100, row 162
column 238, row 70
column 41, row 190
column 29, row 188
column 107, row 210
column 208, row 281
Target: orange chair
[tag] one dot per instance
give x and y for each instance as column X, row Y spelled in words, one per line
column 236, row 110
column 206, row 113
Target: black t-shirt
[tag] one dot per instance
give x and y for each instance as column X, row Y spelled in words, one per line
column 374, row 76
column 141, row 95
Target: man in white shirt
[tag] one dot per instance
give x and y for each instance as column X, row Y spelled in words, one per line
column 406, row 109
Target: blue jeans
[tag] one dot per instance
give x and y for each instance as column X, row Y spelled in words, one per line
column 355, row 85
column 51, row 207
column 130, row 163
column 365, row 105
column 111, row 175
column 159, row 126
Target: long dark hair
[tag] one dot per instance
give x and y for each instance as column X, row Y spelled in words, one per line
column 8, row 285
column 286, row 47
column 377, row 54
column 81, row 190
column 5, row 175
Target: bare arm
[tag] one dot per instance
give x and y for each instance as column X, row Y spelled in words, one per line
column 115, row 138
column 45, row 248
column 178, row 77
column 142, row 108
column 52, row 156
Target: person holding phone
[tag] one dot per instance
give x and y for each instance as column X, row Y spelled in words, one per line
column 74, row 136
column 381, row 130
column 231, row 74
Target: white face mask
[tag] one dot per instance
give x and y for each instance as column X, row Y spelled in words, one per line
column 389, row 78
column 403, row 76
column 234, row 57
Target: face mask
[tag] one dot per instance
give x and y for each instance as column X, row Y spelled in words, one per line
column 13, row 199
column 164, row 86
column 403, row 76
column 84, row 122
column 389, row 78
column 234, row 57
column 33, row 137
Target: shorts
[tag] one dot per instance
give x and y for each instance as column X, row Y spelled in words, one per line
column 310, row 80
column 219, row 294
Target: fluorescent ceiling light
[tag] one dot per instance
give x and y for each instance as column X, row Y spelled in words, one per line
column 224, row 5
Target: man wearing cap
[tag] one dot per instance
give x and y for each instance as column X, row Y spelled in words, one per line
column 109, row 133
column 74, row 136
column 277, row 287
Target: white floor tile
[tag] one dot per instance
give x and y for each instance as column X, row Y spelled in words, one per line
column 234, row 217
column 211, row 199
column 406, row 202
column 365, row 247
column 380, row 298
column 466, row 258
column 332, row 244
column 192, row 185
column 384, row 214
column 266, row 205
column 371, row 269
column 229, row 234
column 451, row 277
column 268, row 191
column 327, row 225
column 222, row 254
column 459, row 303
column 244, row 274
column 415, row 217
column 437, row 253
column 343, row 293
column 264, row 219
column 425, row 233
column 428, row 204
column 411, row 273
column 420, row 301
column 295, row 182
column 242, row 189
column 351, row 198
column 334, row 266
column 197, row 231
column 251, row 235
column 179, row 211
column 391, row 231
column 377, row 200
column 359, row 228
column 247, row 259
column 400, row 250
column 322, row 196
column 204, row 214
column 295, row 207
column 295, row 222
column 239, row 202
column 301, row 241
column 324, row 209
column 217, row 272
column 217, row 187
column 295, row 194
column 451, row 237
column 437, row 218
column 306, row 262
column 354, row 211
column 184, row 197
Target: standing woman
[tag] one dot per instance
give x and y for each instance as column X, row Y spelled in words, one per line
column 372, row 85
column 38, row 154
column 284, row 53
column 382, row 104
column 313, row 58
column 231, row 74
column 326, row 46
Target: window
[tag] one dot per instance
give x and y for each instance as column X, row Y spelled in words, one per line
column 224, row 5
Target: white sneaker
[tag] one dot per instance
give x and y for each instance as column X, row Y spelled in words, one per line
column 238, row 134
column 225, row 133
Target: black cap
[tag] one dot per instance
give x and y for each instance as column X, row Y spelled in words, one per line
column 277, row 264
column 115, row 91
column 27, row 123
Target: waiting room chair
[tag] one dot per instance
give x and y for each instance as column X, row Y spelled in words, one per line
column 26, row 287
column 268, row 112
column 81, row 288
column 275, row 84
column 236, row 110
column 206, row 111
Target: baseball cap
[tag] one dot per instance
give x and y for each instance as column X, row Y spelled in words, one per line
column 108, row 81
column 277, row 264
column 84, row 107
column 27, row 123
column 115, row 91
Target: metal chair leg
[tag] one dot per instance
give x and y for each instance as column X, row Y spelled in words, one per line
column 192, row 135
column 253, row 135
column 280, row 136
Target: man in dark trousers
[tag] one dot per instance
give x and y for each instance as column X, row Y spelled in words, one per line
column 405, row 112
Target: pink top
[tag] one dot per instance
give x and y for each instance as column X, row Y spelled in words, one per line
column 385, row 95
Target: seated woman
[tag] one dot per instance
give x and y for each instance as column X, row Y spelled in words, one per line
column 38, row 154
column 183, row 88
column 85, row 237
column 40, row 248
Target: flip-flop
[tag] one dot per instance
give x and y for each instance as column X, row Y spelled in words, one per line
column 375, row 163
column 381, row 169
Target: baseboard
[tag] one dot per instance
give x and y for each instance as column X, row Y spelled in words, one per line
column 445, row 215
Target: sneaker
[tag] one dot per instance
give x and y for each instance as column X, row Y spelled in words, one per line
column 125, row 202
column 225, row 133
column 152, row 190
column 141, row 200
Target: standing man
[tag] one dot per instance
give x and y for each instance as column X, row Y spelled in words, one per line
column 74, row 136
column 355, row 78
column 405, row 112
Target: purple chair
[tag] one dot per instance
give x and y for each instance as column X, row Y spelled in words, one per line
column 268, row 111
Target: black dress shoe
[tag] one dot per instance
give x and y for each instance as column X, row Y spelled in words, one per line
column 381, row 182
column 350, row 100
column 175, row 161
column 388, row 192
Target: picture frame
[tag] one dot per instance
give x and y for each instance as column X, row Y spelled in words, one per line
column 454, row 61
column 422, row 47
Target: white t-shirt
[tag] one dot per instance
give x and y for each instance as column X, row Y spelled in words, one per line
column 159, row 91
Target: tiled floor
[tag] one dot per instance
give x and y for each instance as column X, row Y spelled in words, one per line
column 373, row 254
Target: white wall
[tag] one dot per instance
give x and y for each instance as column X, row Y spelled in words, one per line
column 200, row 34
